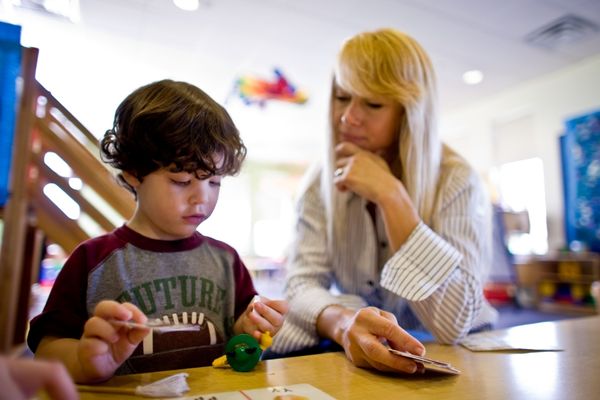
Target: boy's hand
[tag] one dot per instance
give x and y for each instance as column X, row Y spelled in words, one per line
column 261, row 316
column 104, row 346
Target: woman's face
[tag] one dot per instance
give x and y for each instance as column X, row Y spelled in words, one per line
column 370, row 123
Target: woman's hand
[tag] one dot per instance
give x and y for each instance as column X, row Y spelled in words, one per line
column 369, row 176
column 261, row 316
column 366, row 334
column 104, row 345
column 363, row 172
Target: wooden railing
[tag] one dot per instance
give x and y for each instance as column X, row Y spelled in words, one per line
column 56, row 130
column 30, row 217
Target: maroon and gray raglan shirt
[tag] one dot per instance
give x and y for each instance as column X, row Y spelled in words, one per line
column 199, row 282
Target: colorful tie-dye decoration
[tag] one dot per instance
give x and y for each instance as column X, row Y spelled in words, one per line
column 253, row 90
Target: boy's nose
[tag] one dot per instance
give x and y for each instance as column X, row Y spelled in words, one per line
column 200, row 194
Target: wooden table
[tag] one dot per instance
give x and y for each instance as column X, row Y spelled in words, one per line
column 573, row 373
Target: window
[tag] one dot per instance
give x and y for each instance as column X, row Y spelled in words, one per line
column 521, row 193
column 255, row 211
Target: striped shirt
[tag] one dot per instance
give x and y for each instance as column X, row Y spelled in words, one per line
column 434, row 281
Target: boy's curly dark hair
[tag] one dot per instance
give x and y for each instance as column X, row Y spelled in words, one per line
column 170, row 124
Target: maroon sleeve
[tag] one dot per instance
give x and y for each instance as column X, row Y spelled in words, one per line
column 244, row 288
column 65, row 312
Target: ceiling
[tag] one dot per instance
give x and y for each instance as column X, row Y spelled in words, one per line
column 120, row 44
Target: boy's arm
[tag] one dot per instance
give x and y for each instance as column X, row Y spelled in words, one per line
column 64, row 350
column 103, row 347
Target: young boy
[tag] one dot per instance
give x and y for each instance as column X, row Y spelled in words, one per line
column 172, row 144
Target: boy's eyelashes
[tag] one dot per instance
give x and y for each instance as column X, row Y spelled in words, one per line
column 181, row 183
column 213, row 181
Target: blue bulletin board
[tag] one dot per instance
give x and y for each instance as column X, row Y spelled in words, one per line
column 580, row 155
column 10, row 67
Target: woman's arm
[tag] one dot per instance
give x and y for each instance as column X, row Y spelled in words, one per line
column 309, row 276
column 441, row 272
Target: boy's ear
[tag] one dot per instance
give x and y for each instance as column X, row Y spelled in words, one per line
column 130, row 179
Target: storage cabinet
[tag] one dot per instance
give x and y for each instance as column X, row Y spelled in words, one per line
column 560, row 282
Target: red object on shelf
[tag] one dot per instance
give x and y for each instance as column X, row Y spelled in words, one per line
column 499, row 292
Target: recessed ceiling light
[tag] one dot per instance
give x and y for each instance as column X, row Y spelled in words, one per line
column 187, row 5
column 473, row 77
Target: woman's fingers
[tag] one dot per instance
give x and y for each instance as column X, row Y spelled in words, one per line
column 397, row 337
column 346, row 149
column 400, row 339
column 371, row 331
column 378, row 355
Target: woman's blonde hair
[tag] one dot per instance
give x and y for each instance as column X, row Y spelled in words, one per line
column 391, row 64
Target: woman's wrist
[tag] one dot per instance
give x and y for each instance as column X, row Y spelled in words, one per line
column 332, row 322
column 399, row 215
column 394, row 196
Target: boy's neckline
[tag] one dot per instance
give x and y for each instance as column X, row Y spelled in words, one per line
column 137, row 239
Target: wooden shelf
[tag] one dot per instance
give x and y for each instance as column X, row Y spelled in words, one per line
column 566, row 272
column 554, row 307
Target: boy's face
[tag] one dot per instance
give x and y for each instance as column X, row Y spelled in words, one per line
column 171, row 205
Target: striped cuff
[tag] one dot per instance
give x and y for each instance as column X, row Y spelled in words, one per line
column 421, row 265
column 312, row 302
column 299, row 329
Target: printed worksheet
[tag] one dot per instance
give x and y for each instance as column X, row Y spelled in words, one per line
column 301, row 391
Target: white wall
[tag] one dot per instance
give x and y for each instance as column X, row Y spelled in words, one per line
column 538, row 109
column 486, row 133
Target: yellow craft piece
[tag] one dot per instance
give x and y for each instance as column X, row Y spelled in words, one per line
column 220, row 362
column 265, row 340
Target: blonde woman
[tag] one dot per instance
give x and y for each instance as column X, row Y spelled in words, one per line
column 393, row 231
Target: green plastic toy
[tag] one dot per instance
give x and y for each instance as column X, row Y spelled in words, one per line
column 243, row 352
